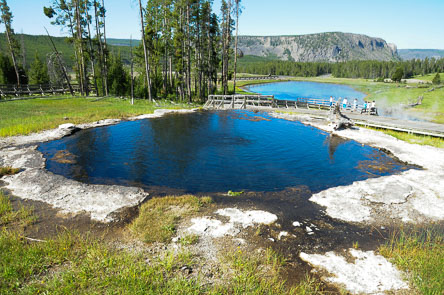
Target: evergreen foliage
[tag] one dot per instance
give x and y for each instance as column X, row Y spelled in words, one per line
column 13, row 45
column 437, row 79
column 397, row 75
column 38, row 73
column 118, row 78
column 7, row 73
column 370, row 69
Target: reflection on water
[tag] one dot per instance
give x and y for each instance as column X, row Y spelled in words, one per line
column 333, row 143
column 215, row 151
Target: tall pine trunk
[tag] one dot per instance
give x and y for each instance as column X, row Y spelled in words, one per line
column 101, row 51
column 14, row 60
column 188, row 54
column 145, row 52
column 91, row 49
column 83, row 72
column 235, row 46
column 105, row 56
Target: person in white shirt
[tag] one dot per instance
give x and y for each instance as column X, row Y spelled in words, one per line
column 344, row 103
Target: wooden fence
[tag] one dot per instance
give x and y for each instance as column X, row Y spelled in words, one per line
column 29, row 90
column 248, row 78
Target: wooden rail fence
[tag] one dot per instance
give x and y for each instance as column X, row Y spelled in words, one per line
column 24, row 90
column 257, row 78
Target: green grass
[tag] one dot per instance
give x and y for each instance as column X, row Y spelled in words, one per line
column 9, row 217
column 255, row 273
column 73, row 263
column 28, row 116
column 428, row 77
column 413, row 138
column 421, row 255
column 159, row 217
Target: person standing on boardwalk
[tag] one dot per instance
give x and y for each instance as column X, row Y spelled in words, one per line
column 364, row 110
column 344, row 103
column 331, row 101
column 355, row 105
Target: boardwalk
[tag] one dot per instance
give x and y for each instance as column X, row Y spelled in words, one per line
column 320, row 108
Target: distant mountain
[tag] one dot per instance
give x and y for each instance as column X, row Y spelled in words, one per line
column 331, row 47
column 41, row 45
column 407, row 54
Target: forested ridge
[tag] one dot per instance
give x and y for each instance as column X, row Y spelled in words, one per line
column 32, row 44
column 370, row 69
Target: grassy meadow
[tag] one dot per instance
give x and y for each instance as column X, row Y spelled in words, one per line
column 22, row 117
column 429, row 77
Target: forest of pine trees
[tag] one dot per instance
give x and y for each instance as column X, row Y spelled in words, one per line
column 186, row 53
column 370, row 69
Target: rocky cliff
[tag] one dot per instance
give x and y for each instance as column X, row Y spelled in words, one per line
column 332, row 47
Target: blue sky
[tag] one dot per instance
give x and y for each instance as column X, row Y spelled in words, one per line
column 407, row 23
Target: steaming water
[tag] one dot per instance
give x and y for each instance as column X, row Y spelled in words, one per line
column 215, row 152
column 296, row 89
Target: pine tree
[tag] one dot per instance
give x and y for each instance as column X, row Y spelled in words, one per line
column 38, row 73
column 118, row 78
column 14, row 48
column 398, row 74
column 7, row 72
column 437, row 79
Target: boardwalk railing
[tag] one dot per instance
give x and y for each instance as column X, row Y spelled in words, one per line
column 243, row 101
column 238, row 101
column 13, row 90
column 257, row 78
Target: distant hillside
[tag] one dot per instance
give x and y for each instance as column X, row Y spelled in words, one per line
column 42, row 46
column 332, row 47
column 407, row 54
column 122, row 42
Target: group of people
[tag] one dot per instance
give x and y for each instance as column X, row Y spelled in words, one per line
column 367, row 107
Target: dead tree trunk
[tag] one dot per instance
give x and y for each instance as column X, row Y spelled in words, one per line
column 61, row 64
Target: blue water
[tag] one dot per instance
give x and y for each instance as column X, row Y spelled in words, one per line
column 215, row 152
column 296, row 89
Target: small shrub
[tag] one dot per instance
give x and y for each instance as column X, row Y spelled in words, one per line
column 235, row 194
column 380, row 79
column 189, row 240
column 8, row 170
column 437, row 79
